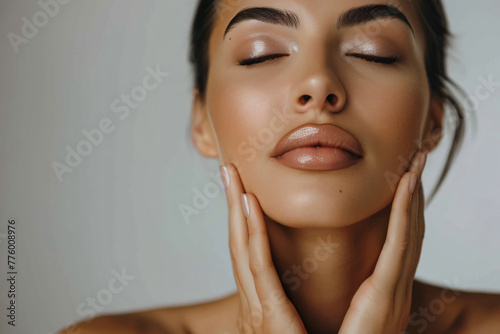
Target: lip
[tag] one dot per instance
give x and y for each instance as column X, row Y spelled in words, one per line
column 318, row 147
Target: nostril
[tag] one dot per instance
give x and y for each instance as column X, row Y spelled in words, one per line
column 332, row 99
column 304, row 99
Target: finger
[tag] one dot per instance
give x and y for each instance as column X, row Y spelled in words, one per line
column 421, row 225
column 420, row 237
column 409, row 268
column 390, row 262
column 243, row 299
column 401, row 294
column 267, row 282
column 237, row 241
column 238, row 238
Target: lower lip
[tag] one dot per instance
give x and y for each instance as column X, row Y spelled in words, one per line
column 318, row 158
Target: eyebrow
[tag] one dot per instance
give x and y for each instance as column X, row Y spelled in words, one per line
column 265, row 14
column 351, row 17
column 364, row 14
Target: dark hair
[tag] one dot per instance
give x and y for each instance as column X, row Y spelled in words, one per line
column 437, row 36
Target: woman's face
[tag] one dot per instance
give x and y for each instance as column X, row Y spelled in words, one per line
column 317, row 78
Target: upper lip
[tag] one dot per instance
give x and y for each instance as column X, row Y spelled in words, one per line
column 311, row 135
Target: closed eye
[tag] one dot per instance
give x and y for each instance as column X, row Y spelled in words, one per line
column 251, row 61
column 375, row 59
column 370, row 58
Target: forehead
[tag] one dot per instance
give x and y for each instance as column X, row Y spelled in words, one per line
column 227, row 8
column 320, row 13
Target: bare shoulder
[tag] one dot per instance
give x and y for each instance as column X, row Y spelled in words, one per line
column 213, row 317
column 128, row 323
column 441, row 309
column 482, row 312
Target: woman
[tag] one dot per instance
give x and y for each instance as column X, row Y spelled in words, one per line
column 322, row 114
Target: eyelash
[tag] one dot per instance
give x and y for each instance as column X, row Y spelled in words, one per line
column 375, row 59
column 251, row 61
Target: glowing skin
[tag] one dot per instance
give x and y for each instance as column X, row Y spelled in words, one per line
column 384, row 106
column 388, row 108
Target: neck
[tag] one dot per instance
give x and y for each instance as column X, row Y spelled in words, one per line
column 321, row 269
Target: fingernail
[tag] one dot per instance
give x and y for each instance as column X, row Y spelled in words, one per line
column 422, row 161
column 224, row 175
column 413, row 182
column 244, row 204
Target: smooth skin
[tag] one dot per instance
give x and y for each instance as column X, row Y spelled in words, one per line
column 382, row 303
column 365, row 283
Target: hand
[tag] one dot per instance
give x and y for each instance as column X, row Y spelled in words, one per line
column 382, row 303
column 264, row 306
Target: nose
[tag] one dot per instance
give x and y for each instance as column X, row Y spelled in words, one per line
column 319, row 89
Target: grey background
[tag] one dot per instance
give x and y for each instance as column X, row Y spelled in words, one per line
column 120, row 207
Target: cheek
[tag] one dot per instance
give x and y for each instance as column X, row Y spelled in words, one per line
column 242, row 117
column 392, row 111
column 385, row 114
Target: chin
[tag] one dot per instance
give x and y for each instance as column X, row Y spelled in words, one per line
column 302, row 199
column 296, row 211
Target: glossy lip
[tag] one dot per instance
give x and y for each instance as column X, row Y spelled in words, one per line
column 313, row 135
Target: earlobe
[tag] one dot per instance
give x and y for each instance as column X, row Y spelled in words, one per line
column 201, row 130
column 434, row 127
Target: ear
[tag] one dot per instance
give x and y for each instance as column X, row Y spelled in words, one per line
column 201, row 130
column 434, row 124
